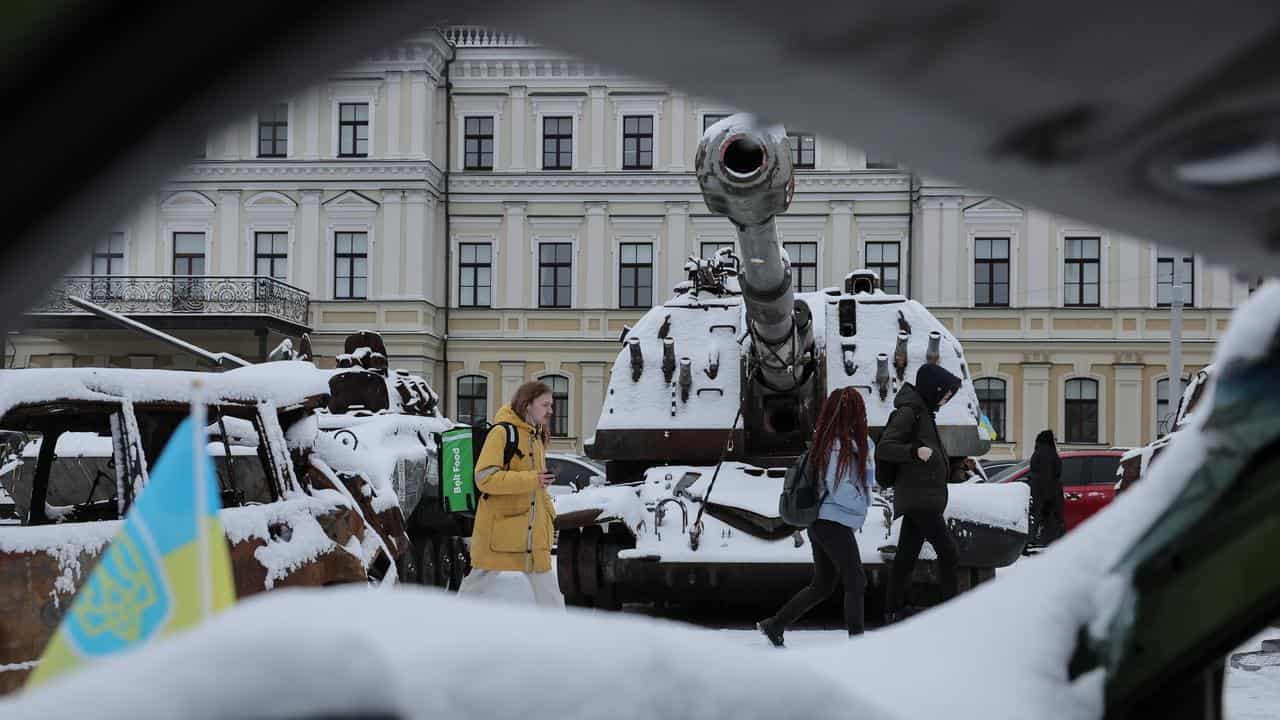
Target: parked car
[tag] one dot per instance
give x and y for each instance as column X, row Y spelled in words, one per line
column 1088, row 480
column 573, row 472
column 995, row 467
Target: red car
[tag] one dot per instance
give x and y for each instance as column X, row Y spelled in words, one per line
column 1088, row 480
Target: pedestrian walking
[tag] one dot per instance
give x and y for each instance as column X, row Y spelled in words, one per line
column 912, row 444
column 840, row 455
column 515, row 518
column 1048, row 516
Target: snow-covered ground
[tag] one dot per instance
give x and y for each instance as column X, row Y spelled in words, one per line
column 1253, row 695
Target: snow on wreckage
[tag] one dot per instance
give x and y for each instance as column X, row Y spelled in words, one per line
column 87, row 437
column 717, row 391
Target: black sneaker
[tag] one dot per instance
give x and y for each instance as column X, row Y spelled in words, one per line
column 771, row 631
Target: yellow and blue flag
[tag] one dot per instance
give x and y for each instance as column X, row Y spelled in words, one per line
column 986, row 429
column 165, row 571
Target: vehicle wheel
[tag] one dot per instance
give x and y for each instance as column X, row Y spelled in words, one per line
column 588, row 563
column 427, row 570
column 460, row 562
column 444, row 564
column 407, row 566
column 567, row 566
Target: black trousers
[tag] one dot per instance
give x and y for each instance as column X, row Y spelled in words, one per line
column 835, row 557
column 916, row 528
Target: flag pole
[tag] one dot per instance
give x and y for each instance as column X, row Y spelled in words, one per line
column 199, row 422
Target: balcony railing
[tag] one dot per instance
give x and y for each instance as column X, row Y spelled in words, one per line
column 180, row 295
column 478, row 36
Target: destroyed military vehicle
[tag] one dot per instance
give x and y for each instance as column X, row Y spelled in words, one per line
column 716, row 392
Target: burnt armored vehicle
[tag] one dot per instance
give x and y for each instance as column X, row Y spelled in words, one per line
column 717, row 391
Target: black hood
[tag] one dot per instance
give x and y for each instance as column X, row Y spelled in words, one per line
column 933, row 382
column 1046, row 438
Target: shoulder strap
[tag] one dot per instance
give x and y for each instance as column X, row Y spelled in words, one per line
column 512, row 448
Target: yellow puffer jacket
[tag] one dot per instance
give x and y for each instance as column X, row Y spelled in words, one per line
column 504, row 538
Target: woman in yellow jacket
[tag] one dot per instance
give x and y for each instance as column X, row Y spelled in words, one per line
column 515, row 518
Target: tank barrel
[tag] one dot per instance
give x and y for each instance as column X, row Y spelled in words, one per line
column 745, row 174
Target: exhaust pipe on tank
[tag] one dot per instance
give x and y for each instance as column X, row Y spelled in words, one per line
column 935, row 348
column 882, row 374
column 668, row 358
column 686, row 378
column 637, row 359
column 900, row 355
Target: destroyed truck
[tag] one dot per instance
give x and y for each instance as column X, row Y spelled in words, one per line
column 87, row 438
column 716, row 392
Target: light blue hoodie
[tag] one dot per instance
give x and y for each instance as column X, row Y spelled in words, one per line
column 847, row 503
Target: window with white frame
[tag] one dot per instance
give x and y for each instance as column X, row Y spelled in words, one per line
column 635, row 275
column 885, row 260
column 188, row 262
column 804, row 265
column 1165, row 407
column 1166, row 264
column 475, row 274
column 273, row 131
column 557, row 143
column 108, row 260
column 559, row 385
column 353, row 130
column 1082, row 272
column 478, row 143
column 1082, row 410
column 271, row 255
column 350, row 265
column 637, row 142
column 708, row 120
column 555, row 274
column 991, row 272
column 803, row 150
column 993, row 402
column 473, row 399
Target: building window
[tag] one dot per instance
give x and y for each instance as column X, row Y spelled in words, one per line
column 108, row 255
column 273, row 131
column 478, row 139
column 353, row 130
column 351, row 265
column 636, row 275
column 475, row 272
column 991, row 272
column 557, row 143
column 709, row 120
column 708, row 250
column 991, row 398
column 637, row 142
column 188, row 253
column 1164, row 280
column 882, row 257
column 271, row 255
column 1164, row 407
column 555, row 266
column 802, row 151
column 559, row 385
column 473, row 399
column 804, row 265
column 1082, row 411
column 1083, row 271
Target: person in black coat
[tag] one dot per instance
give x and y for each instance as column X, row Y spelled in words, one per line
column 1048, row 516
column 912, row 445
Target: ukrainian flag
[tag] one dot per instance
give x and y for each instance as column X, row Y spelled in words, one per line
column 167, row 570
column 986, row 429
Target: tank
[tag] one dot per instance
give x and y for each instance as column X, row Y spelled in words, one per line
column 716, row 392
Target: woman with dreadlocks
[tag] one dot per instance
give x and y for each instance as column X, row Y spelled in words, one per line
column 840, row 454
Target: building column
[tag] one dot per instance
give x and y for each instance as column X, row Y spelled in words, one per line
column 1035, row 404
column 677, row 247
column 518, row 258
column 224, row 248
column 311, row 150
column 420, row 119
column 840, row 259
column 391, row 242
column 435, row 271
column 308, row 267
column 836, row 155
column 593, row 387
column 595, row 257
column 518, row 122
column 391, row 148
column 416, row 244
column 512, row 379
column 953, row 292
column 1128, row 405
column 597, row 128
column 678, row 158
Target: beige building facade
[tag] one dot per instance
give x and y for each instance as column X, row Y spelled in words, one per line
column 500, row 212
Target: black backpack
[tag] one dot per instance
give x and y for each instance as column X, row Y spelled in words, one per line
column 480, row 432
column 802, row 495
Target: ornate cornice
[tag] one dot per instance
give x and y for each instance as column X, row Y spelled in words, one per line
column 373, row 171
column 653, row 183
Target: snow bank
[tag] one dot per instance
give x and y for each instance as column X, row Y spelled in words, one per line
column 615, row 502
column 486, row 660
column 375, row 446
